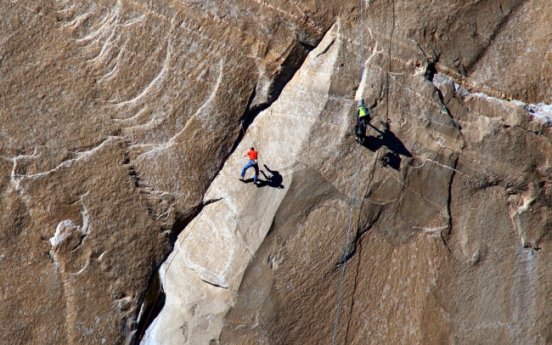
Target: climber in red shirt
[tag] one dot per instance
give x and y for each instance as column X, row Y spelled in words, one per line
column 252, row 163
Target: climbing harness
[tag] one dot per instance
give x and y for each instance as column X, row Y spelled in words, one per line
column 342, row 279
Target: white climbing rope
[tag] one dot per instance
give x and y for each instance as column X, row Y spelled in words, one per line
column 345, row 250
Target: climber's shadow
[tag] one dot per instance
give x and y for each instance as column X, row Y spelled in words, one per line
column 388, row 139
column 247, row 180
column 391, row 159
column 272, row 179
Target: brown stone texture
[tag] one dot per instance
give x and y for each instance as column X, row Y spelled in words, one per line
column 122, row 128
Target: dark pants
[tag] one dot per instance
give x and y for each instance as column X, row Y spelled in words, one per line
column 360, row 128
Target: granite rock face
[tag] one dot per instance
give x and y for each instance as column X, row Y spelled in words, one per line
column 123, row 128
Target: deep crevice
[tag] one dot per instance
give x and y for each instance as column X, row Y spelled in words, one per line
column 293, row 62
column 181, row 221
column 430, row 72
column 152, row 303
column 153, row 299
column 210, row 201
column 449, row 199
column 213, row 284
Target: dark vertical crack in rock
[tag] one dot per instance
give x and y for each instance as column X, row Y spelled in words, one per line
column 152, row 303
column 449, row 211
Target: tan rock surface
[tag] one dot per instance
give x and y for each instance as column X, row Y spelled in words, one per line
column 116, row 115
column 120, row 131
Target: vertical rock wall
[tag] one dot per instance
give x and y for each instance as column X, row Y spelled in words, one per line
column 120, row 130
column 451, row 229
column 116, row 116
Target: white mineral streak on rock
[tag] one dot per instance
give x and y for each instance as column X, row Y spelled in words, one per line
column 201, row 113
column 362, row 87
column 440, row 80
column 200, row 278
column 64, row 231
column 157, row 81
column 512, row 110
column 541, row 111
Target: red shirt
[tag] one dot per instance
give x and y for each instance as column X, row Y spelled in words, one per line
column 252, row 155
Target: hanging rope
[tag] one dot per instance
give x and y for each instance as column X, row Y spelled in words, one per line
column 361, row 43
column 342, row 279
column 340, row 294
column 254, row 143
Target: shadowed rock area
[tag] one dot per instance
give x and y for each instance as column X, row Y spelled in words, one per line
column 123, row 125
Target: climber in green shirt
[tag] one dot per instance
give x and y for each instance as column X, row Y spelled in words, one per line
column 362, row 117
